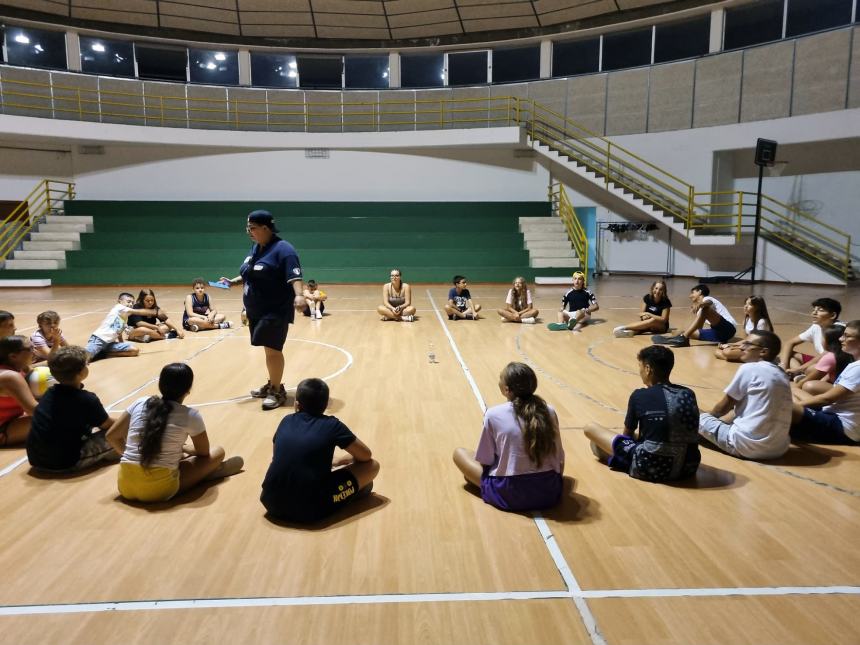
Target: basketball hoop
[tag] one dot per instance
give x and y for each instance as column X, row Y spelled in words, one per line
column 776, row 169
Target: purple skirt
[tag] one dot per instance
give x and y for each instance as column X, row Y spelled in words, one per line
column 530, row 492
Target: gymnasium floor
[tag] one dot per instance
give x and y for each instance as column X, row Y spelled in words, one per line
column 747, row 553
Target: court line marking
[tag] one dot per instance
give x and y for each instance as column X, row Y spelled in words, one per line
column 811, row 480
column 555, row 553
column 372, row 599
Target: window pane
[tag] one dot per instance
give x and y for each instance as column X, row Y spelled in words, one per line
column 575, row 57
column 468, row 68
column 753, row 24
column 627, row 49
column 36, row 48
column 274, row 70
column 682, row 40
column 107, row 57
column 323, row 72
column 422, row 70
column 214, row 67
column 805, row 16
column 517, row 64
column 155, row 63
column 366, row 71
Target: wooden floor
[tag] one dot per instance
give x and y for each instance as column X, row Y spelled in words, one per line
column 748, row 553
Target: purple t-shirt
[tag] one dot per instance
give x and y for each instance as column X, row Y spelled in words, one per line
column 501, row 445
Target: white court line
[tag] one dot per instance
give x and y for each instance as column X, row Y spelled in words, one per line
column 373, row 599
column 8, row 469
column 557, row 557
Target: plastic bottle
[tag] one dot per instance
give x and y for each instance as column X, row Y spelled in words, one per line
column 431, row 353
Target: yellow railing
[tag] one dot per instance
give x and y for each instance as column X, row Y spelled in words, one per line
column 46, row 197
column 709, row 213
column 575, row 231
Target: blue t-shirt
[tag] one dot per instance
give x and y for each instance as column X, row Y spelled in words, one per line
column 461, row 300
column 268, row 273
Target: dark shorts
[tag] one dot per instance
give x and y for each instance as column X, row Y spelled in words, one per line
column 268, row 331
column 631, row 457
column 722, row 332
column 337, row 490
column 817, row 426
column 530, row 492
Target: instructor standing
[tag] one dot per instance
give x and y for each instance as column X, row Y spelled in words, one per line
column 273, row 291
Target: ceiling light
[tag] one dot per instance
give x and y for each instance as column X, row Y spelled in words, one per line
column 21, row 38
column 98, row 47
column 210, row 65
column 292, row 74
column 292, row 64
column 220, row 56
column 39, row 49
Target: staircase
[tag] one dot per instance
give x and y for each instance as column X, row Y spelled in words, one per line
column 546, row 241
column 49, row 241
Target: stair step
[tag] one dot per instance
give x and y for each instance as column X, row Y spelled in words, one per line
column 40, row 236
column 544, row 235
column 39, row 255
column 65, row 227
column 537, row 245
column 547, row 263
column 552, row 253
column 36, row 264
column 69, row 219
column 52, row 245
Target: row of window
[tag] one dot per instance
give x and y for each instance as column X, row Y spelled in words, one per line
column 759, row 22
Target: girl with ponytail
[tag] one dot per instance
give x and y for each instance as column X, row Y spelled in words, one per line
column 151, row 436
column 519, row 461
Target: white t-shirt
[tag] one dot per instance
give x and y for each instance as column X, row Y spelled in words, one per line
column 763, row 410
column 182, row 422
column 113, row 323
column 510, row 299
column 720, row 308
column 815, row 335
column 849, row 407
column 761, row 325
column 501, row 446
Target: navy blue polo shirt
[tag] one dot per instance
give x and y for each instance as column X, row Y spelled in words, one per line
column 268, row 273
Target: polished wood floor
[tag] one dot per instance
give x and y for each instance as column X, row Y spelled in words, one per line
column 747, row 553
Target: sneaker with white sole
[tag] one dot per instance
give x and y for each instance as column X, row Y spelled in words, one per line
column 193, row 327
column 408, row 318
column 319, row 315
column 275, row 399
column 623, row 332
column 226, row 325
column 671, row 341
column 262, row 392
column 228, row 467
column 528, row 321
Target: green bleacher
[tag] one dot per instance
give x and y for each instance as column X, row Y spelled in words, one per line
column 345, row 242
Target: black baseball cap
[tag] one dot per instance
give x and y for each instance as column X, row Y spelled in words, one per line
column 263, row 218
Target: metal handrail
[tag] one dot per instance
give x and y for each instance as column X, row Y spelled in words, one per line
column 575, row 231
column 32, row 210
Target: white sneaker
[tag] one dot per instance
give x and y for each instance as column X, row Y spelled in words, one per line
column 623, row 332
column 408, row 318
column 226, row 325
column 318, row 314
column 528, row 321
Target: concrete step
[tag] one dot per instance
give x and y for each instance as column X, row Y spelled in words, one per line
column 53, row 245
column 527, row 223
column 41, row 236
column 36, row 264
column 77, row 219
column 556, row 243
column 544, row 235
column 546, row 263
column 552, row 253
column 63, row 227
column 39, row 255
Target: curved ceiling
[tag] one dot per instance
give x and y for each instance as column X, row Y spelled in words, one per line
column 358, row 22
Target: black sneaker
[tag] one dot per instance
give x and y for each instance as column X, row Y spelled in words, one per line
column 275, row 399
column 672, row 341
column 262, row 392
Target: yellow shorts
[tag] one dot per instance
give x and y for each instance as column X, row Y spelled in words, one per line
column 157, row 484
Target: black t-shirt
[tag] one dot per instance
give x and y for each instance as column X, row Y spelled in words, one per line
column 576, row 299
column 133, row 319
column 63, row 419
column 656, row 308
column 301, row 461
column 666, row 414
column 268, row 273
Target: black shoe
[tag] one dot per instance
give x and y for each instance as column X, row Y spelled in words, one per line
column 262, row 392
column 275, row 398
column 672, row 341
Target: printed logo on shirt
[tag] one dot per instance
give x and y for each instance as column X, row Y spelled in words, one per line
column 259, row 267
column 297, row 271
column 247, row 259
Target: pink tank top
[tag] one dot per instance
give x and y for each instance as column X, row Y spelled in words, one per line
column 9, row 406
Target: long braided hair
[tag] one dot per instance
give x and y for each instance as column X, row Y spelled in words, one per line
column 174, row 382
column 536, row 421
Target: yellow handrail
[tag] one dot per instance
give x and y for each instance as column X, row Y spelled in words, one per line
column 575, row 231
column 47, row 196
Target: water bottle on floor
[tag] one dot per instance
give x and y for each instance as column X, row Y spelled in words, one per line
column 431, row 353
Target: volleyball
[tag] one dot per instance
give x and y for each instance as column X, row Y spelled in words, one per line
column 40, row 379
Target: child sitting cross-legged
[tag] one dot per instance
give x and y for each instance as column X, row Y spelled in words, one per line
column 305, row 482
column 61, row 435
